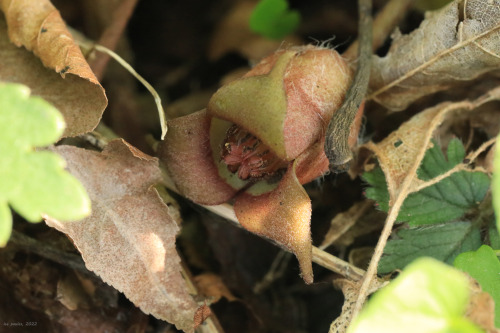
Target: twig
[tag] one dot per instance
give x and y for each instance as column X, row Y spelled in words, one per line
column 383, row 24
column 112, row 34
column 88, row 46
column 44, row 250
column 337, row 135
column 276, row 270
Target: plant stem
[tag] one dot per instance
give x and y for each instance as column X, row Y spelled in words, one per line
column 336, row 144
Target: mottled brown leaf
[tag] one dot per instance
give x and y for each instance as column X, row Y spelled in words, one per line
column 457, row 43
column 481, row 308
column 401, row 152
column 211, row 285
column 41, row 54
column 129, row 240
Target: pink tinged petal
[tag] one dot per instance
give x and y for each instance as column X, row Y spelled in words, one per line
column 188, row 157
column 316, row 82
column 312, row 163
column 283, row 215
column 258, row 104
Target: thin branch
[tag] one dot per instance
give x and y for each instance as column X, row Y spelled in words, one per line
column 112, row 34
column 383, row 24
column 47, row 251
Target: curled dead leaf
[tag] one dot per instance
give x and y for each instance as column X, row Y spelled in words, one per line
column 129, row 240
column 66, row 81
column 453, row 44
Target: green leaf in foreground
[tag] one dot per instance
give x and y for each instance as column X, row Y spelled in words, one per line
column 33, row 182
column 495, row 185
column 484, row 266
column 443, row 242
column 273, row 19
column 442, row 202
column 428, row 296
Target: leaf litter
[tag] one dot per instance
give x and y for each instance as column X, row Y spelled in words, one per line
column 33, row 31
column 129, row 239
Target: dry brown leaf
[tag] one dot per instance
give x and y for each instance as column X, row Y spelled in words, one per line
column 401, row 153
column 211, row 285
column 349, row 289
column 129, row 240
column 66, row 81
column 342, row 222
column 481, row 308
column 457, row 43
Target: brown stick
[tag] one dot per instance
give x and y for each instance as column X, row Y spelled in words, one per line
column 383, row 24
column 111, row 35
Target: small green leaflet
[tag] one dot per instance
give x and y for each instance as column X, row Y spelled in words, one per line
column 428, row 296
column 445, row 201
column 33, row 182
column 442, row 241
column 273, row 19
column 484, row 266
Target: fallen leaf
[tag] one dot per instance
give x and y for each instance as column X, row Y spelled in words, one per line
column 129, row 240
column 66, row 81
column 454, row 44
column 401, row 152
column 350, row 291
column 343, row 222
column 211, row 285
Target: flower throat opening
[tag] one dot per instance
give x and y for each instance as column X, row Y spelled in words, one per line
column 243, row 153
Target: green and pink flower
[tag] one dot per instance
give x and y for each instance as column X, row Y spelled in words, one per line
column 259, row 139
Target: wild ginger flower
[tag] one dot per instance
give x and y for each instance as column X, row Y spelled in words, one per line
column 259, row 139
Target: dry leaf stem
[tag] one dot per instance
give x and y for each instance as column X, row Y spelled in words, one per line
column 383, row 24
column 47, row 251
column 447, row 52
column 337, row 135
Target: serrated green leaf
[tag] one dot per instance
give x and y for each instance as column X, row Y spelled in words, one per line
column 484, row 266
column 34, row 182
column 428, row 296
column 445, row 201
column 443, row 242
column 495, row 185
column 273, row 19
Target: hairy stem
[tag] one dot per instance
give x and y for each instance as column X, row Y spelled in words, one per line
column 336, row 144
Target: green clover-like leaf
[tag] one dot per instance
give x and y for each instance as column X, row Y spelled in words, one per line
column 484, row 266
column 428, row 296
column 33, row 182
column 273, row 19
